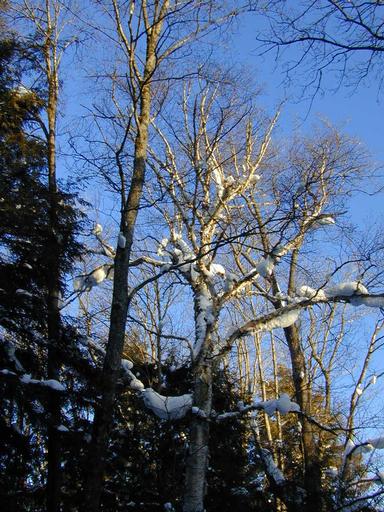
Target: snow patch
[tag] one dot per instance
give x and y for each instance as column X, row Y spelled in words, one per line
column 167, row 407
column 346, row 289
column 311, row 293
column 97, row 230
column 284, row 320
column 265, row 267
column 369, row 302
column 121, row 241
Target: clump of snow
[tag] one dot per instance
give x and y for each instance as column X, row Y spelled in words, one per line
column 7, row 372
column 62, row 428
column 97, row 276
column 49, row 383
column 311, row 293
column 53, row 384
column 283, row 405
column 265, row 267
column 328, row 220
column 369, row 302
column 377, row 443
column 198, row 412
column 363, row 448
column 346, row 289
column 97, row 230
column 272, row 469
column 218, row 178
column 216, row 269
column 167, row 407
column 373, row 380
column 204, row 317
column 349, row 447
column 121, row 241
column 22, row 91
column 25, row 293
column 278, row 252
column 136, row 384
column 126, row 364
column 283, row 320
column 162, row 245
column 359, row 390
column 254, row 179
column 332, row 471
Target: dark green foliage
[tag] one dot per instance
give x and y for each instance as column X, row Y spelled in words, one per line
column 24, row 230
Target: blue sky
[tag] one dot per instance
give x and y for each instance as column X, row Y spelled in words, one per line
column 358, row 112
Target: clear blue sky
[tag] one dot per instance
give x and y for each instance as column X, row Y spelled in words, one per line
column 358, row 113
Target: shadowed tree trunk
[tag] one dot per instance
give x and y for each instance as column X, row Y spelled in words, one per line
column 104, row 410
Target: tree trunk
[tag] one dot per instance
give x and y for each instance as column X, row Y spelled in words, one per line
column 197, row 459
column 53, row 309
column 119, row 309
column 312, row 469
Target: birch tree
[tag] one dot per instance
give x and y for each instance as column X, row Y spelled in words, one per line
column 209, row 179
column 147, row 35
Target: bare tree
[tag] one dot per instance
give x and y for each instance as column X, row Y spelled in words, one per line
column 147, row 34
column 341, row 37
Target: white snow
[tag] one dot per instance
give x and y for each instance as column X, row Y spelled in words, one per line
column 162, row 245
column 363, row 448
column 121, row 241
column 324, row 221
column 198, row 412
column 217, row 270
column 348, row 448
column 311, row 293
column 62, row 428
column 203, row 318
column 126, row 364
column 377, row 443
column 332, row 471
column 271, row 467
column 97, row 230
column 283, row 405
column 53, row 384
column 265, row 267
column 281, row 321
column 347, row 288
column 7, row 372
column 373, row 380
column 97, row 276
column 49, row 383
column 22, row 91
column 369, row 302
column 359, row 390
column 167, row 407
column 20, row 291
column 136, row 384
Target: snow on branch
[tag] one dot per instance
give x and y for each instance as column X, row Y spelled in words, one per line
column 53, row 384
column 280, row 318
column 167, row 407
column 283, row 405
column 85, row 283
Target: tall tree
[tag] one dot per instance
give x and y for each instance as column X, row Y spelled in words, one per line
column 149, row 34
